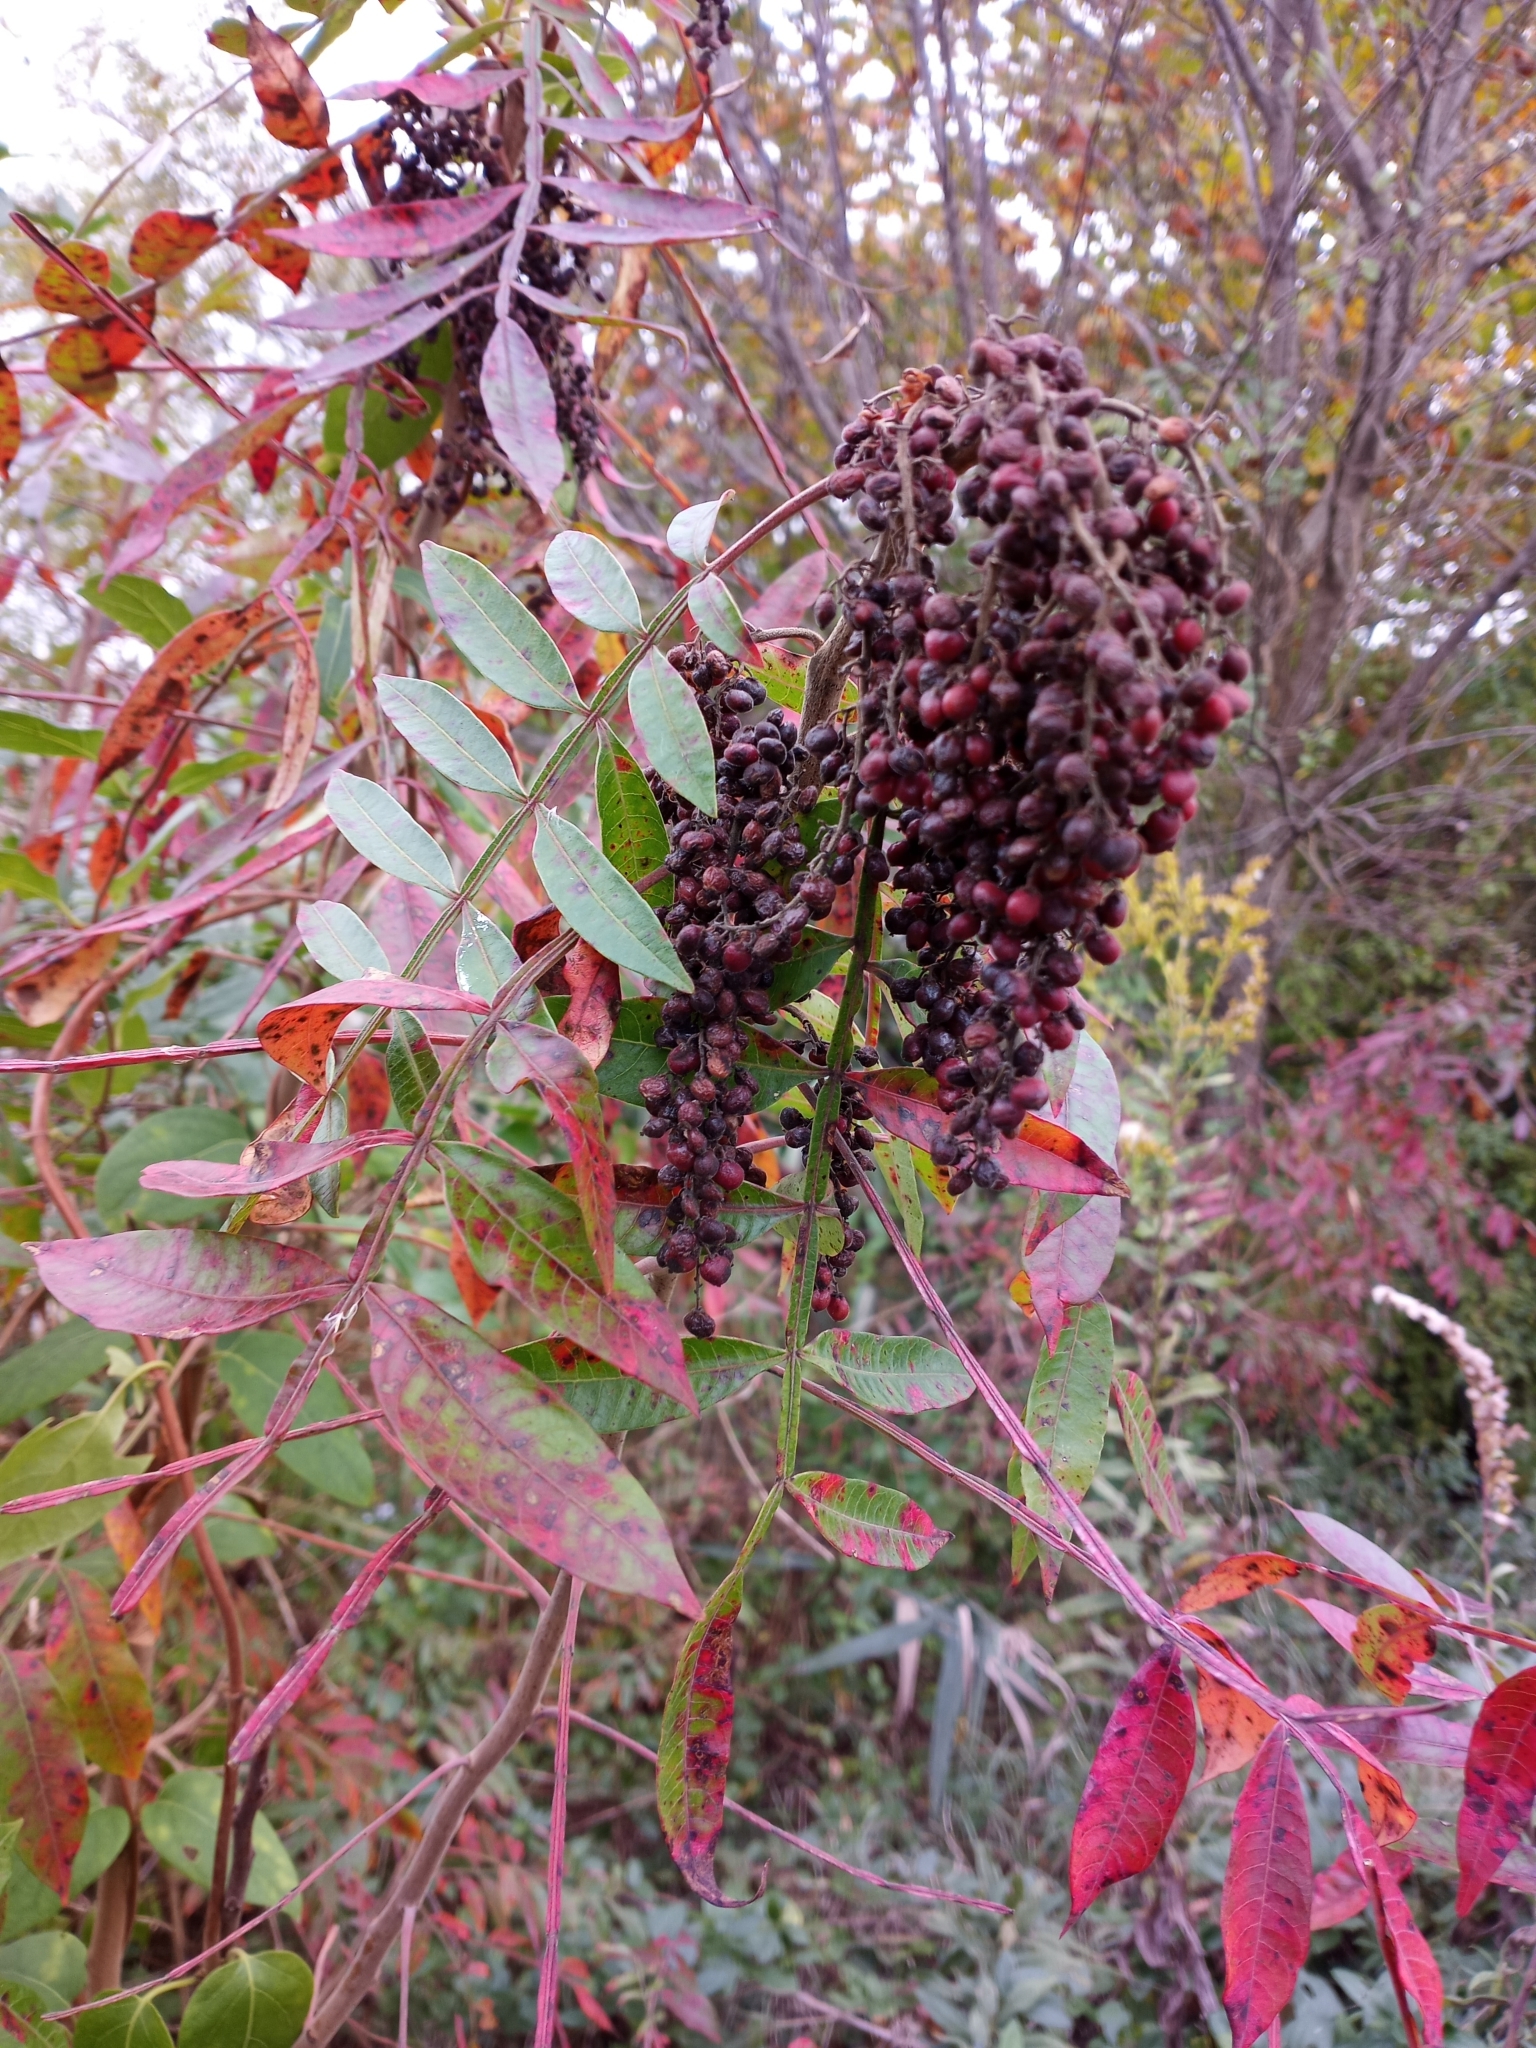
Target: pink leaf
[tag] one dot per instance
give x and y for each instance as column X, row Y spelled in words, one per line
column 1266, row 1903
column 1360, row 1555
column 180, row 1283
column 787, row 600
column 298, row 1035
column 456, row 90
column 1136, row 1781
column 200, row 472
column 1042, row 1156
column 520, row 405
column 344, row 361
column 265, row 1165
column 1500, row 1784
column 1070, row 1263
column 408, row 231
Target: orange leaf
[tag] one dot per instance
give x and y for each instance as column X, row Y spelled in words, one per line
column 628, row 297
column 324, row 180
column 186, row 982
column 372, row 154
column 43, row 850
column 478, row 1295
column 121, row 339
column 368, row 1098
column 10, row 421
column 298, row 1035
column 46, row 996
column 594, row 1006
column 300, row 721
column 165, row 243
column 662, row 158
column 125, row 1533
column 162, row 689
column 1235, row 1578
column 56, row 291
column 80, row 363
column 99, row 1678
column 292, row 105
column 105, row 854
column 288, row 263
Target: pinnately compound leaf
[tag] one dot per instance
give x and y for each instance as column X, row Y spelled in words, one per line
column 444, row 731
column 1500, row 1784
column 589, row 580
column 875, row 1524
column 669, row 721
column 1266, row 1902
column 494, row 631
column 382, row 830
column 1137, row 1781
column 596, row 901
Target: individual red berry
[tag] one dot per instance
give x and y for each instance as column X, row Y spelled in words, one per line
column 1189, row 636
column 1231, row 598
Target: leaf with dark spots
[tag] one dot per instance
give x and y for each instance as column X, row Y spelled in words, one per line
column 325, row 180
column 202, row 471
column 694, row 1752
column 568, row 1087
column 42, row 1772
column 527, row 1237
column 293, row 107
column 1387, row 1643
column 1235, row 1578
column 1499, row 1784
column 165, row 243
column 875, row 1524
column 510, row 1449
column 1044, row 1155
column 80, row 363
column 266, row 1164
column 298, row 1035
column 1136, row 1782
column 162, row 688
column 1233, row 1725
column 260, row 234
column 57, row 290
column 1266, row 1902
column 180, row 1283
column 98, row 1677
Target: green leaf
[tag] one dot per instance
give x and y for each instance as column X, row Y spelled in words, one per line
column 256, row 2001
column 634, row 837
column 1149, row 1454
column 21, row 877
column 716, row 614
column 486, row 959
column 340, row 941
column 253, row 1365
column 196, row 776
column 382, row 830
column 237, row 1532
column 444, row 731
column 52, row 1456
column 333, row 651
column 807, row 967
column 875, row 1524
column 893, row 1156
column 610, row 1401
column 144, row 607
column 494, row 631
column 902, row 1375
column 411, row 1065
column 181, row 1824
column 669, row 721
column 135, row 2023
column 1067, row 1415
column 389, row 431
column 510, row 1449
column 589, row 580
column 690, row 533
column 107, row 1828
column 21, row 733
column 52, row 1964
column 634, row 1055
column 166, row 1134
column 596, row 901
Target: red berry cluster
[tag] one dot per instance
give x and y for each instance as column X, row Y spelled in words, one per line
column 1035, row 735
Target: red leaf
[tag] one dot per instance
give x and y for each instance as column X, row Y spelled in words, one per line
column 404, row 232
column 292, row 106
column 594, row 1006
column 1136, row 1781
column 509, row 1448
column 568, row 1086
column 200, row 472
column 1500, row 1784
column 1266, row 1904
column 298, row 1035
column 1044, row 1155
column 180, row 1283
column 1235, row 1577
column 694, row 1753
column 787, row 600
column 10, row 421
column 162, row 689
column 1408, row 1955
column 42, row 1774
column 519, row 402
column 324, row 180
column 265, row 1164
column 1338, row 1893
column 478, row 1296
column 98, row 1678
column 368, row 1097
column 165, row 243
column 263, row 238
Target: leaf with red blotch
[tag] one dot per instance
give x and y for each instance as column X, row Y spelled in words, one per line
column 180, row 1283
column 293, row 107
column 1043, row 1155
column 789, row 597
column 42, row 1773
column 694, row 1752
column 57, row 290
column 1409, row 1958
column 301, row 717
column 1499, row 1784
column 162, row 689
column 875, row 1524
column 1233, row 1725
column 531, row 935
column 509, row 1448
column 519, row 402
column 166, row 243
column 124, row 341
column 262, row 235
column 528, row 1237
column 1136, row 1782
column 98, row 1678
column 477, row 1295
column 368, row 1097
column 78, row 362
column 593, row 1010
column 324, row 180
column 402, row 232
column 298, row 1035
column 1387, row 1643
column 1266, row 1902
column 265, row 1164
column 275, row 385
column 564, row 1079
column 1149, row 1454
column 1236, row 1577
column 10, row 421
column 201, row 472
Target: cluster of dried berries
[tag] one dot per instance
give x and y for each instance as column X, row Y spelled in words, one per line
column 711, row 32
column 434, row 153
column 1035, row 736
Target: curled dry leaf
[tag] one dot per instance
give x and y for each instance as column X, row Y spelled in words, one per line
column 162, row 689
column 165, row 243
column 301, row 718
column 293, row 107
column 1136, row 1782
column 627, row 299
column 51, row 992
column 590, row 1015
